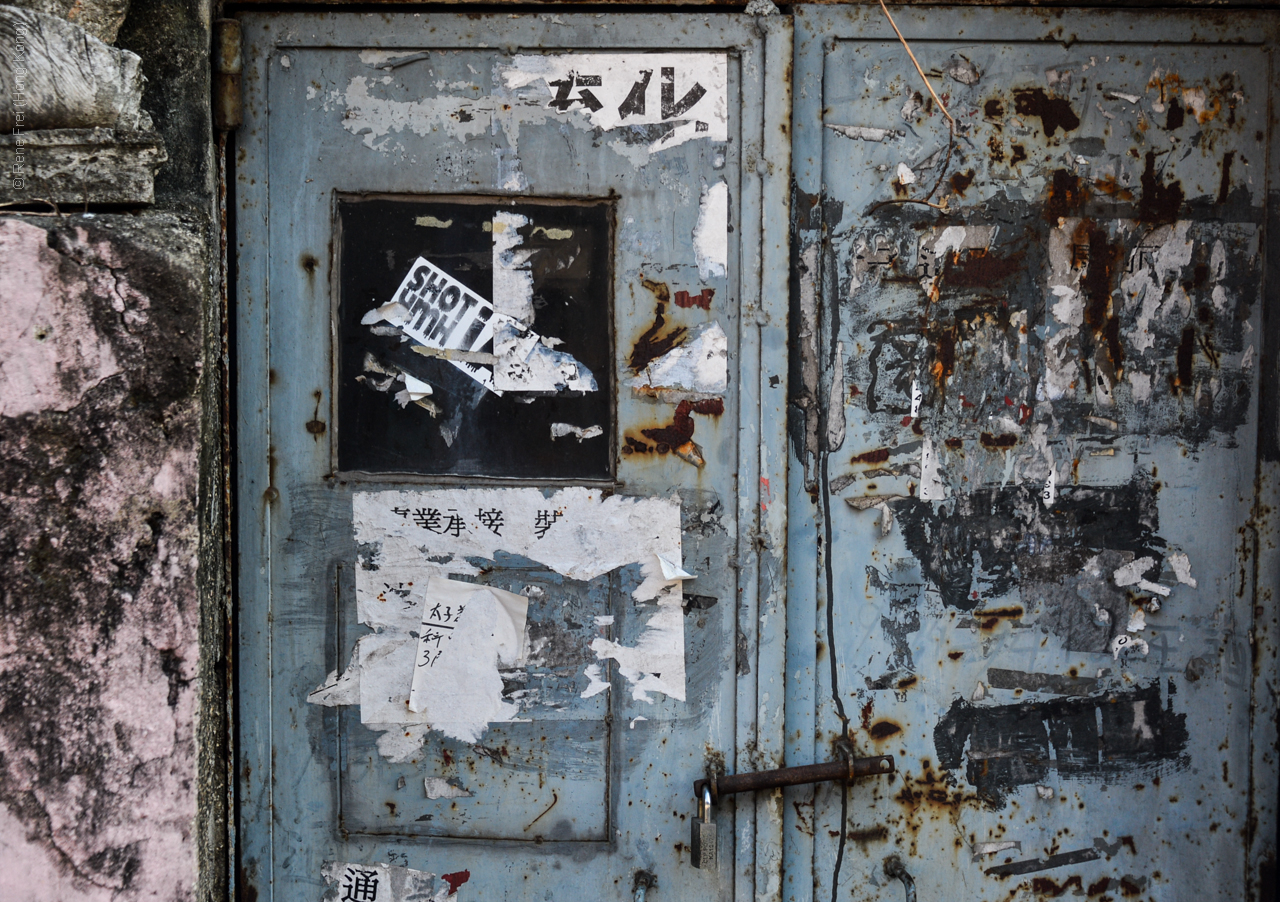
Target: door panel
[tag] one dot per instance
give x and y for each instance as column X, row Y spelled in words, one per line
column 1032, row 452
column 497, row 338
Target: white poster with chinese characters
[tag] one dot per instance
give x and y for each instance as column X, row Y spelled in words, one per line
column 441, row 641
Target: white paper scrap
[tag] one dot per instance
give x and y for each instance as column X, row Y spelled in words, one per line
column 932, row 488
column 656, row 662
column 468, row 632
column 512, row 276
column 1181, row 565
column 696, row 370
column 560, row 430
column 673, row 571
column 1132, row 572
column 380, row 882
column 527, row 363
column 665, row 99
column 440, row 788
column 711, row 234
column 597, row 685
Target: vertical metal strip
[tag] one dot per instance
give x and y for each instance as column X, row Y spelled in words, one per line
column 802, row 562
column 1261, row 827
column 772, row 702
column 746, row 641
column 253, row 451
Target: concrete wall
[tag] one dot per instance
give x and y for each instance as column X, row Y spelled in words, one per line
column 112, row 615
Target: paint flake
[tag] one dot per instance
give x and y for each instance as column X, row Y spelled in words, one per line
column 864, row 133
column 440, row 788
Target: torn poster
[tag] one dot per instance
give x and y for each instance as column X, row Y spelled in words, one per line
column 412, row 542
column 660, row 99
column 440, row 313
column 468, row 633
column 697, row 370
column 379, row 882
column 573, row 531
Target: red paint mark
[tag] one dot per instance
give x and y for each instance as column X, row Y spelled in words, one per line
column 702, row 299
column 1008, row 402
column 764, row 484
column 854, row 391
column 965, row 402
column 906, row 421
column 456, row 880
column 1024, row 413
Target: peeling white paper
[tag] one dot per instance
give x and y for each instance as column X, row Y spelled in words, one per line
column 673, row 571
column 932, row 488
column 380, row 882
column 696, row 370
column 1181, row 565
column 711, row 234
column 440, row 788
column 560, row 430
column 468, row 633
column 573, row 531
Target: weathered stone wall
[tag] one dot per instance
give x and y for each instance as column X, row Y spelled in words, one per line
column 99, row 455
column 113, row 752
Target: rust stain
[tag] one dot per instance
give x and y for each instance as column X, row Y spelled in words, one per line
column 960, row 181
column 1067, row 194
column 883, row 729
column 1159, row 202
column 1053, row 112
column 1108, row 185
column 979, row 268
column 878, row 456
column 652, row 344
column 998, row 442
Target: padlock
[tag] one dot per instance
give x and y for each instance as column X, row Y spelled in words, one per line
column 703, row 843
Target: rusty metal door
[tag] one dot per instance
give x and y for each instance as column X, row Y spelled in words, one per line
column 1034, row 454
column 506, row 536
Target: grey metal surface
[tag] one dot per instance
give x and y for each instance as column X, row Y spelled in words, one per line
column 1004, row 402
column 589, row 790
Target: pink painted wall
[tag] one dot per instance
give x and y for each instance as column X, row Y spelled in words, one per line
column 99, row 440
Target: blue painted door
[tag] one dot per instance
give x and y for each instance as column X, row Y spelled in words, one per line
column 511, row 342
column 1033, row 454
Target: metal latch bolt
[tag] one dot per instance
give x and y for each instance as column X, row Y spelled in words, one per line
column 848, row 769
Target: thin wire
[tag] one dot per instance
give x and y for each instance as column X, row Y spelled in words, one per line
column 951, row 127
column 936, row 99
column 829, row 574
